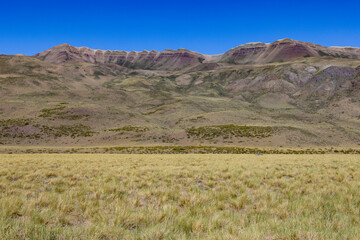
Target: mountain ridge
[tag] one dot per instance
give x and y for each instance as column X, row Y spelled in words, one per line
column 250, row 53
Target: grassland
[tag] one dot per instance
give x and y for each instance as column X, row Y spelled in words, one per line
column 98, row 196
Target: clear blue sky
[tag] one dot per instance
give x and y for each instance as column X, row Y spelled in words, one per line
column 209, row 27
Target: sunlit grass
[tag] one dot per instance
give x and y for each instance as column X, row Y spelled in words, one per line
column 53, row 196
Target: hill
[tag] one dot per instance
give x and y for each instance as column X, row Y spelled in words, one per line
column 287, row 93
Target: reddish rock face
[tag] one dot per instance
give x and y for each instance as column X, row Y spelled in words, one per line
column 290, row 51
column 283, row 50
column 166, row 60
column 245, row 51
column 252, row 53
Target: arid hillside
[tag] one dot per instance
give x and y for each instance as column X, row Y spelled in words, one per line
column 282, row 94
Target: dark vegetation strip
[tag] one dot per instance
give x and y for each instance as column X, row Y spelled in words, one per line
column 210, row 132
column 185, row 150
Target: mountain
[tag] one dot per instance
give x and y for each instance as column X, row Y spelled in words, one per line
column 165, row 60
column 284, row 50
column 282, row 94
column 251, row 53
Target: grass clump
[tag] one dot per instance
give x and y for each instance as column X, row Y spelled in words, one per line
column 130, row 128
column 19, row 128
column 26, row 129
column 227, row 131
column 18, row 122
column 60, row 111
column 50, row 112
column 77, row 130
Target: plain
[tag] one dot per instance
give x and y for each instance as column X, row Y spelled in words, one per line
column 119, row 196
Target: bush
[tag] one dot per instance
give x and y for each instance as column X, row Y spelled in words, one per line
column 227, row 131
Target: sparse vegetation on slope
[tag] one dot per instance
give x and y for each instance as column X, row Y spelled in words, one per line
column 78, row 130
column 18, row 122
column 61, row 111
column 27, row 129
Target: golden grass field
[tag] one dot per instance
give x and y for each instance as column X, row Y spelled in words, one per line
column 99, row 196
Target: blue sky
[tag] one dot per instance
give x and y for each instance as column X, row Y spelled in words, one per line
column 209, row 27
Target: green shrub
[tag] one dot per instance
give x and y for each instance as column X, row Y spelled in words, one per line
column 130, row 129
column 60, row 112
column 78, row 130
column 227, row 131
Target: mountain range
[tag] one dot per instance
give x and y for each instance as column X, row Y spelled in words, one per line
column 282, row 94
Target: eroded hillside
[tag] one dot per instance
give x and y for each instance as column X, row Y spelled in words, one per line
column 286, row 93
